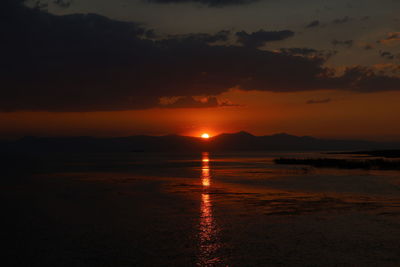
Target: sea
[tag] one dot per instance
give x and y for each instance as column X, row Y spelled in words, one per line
column 201, row 209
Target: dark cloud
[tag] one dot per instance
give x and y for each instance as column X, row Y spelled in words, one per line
column 346, row 43
column 386, row 55
column 364, row 79
column 62, row 3
column 342, row 20
column 388, row 69
column 391, row 37
column 202, row 38
column 368, row 47
column 299, row 51
column 261, row 37
column 209, row 3
column 92, row 63
column 319, row 101
column 44, row 4
column 308, row 52
column 313, row 24
column 197, row 102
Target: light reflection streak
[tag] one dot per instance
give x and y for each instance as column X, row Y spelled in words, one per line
column 209, row 243
column 205, row 170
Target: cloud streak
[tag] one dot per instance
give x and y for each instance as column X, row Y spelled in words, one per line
column 319, row 101
column 313, row 24
column 196, row 102
column 390, row 38
column 260, row 38
column 345, row 43
column 343, row 20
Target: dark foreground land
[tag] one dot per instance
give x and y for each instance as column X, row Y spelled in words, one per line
column 201, row 210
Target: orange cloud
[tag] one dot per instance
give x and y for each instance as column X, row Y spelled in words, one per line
column 390, row 38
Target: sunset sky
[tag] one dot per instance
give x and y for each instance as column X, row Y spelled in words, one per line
column 127, row 67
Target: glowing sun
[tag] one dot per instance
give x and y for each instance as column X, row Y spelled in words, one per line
column 205, row 136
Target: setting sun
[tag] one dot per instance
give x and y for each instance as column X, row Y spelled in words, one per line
column 205, row 136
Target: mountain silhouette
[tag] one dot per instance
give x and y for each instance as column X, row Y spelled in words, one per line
column 241, row 141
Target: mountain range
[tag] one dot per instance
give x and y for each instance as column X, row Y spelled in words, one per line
column 241, row 141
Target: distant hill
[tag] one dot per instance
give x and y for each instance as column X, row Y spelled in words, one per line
column 225, row 142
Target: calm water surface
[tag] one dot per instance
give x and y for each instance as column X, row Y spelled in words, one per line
column 209, row 209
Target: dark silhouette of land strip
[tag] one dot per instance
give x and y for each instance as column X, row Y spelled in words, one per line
column 241, row 141
column 367, row 164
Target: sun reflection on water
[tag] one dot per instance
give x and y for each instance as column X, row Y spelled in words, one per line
column 205, row 170
column 209, row 243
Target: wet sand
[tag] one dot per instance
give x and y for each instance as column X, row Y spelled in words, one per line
column 203, row 212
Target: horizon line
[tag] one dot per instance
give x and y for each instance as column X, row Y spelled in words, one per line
column 191, row 136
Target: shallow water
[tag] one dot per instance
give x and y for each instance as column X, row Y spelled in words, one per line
column 208, row 209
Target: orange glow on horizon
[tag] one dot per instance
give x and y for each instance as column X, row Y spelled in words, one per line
column 205, row 136
column 263, row 113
